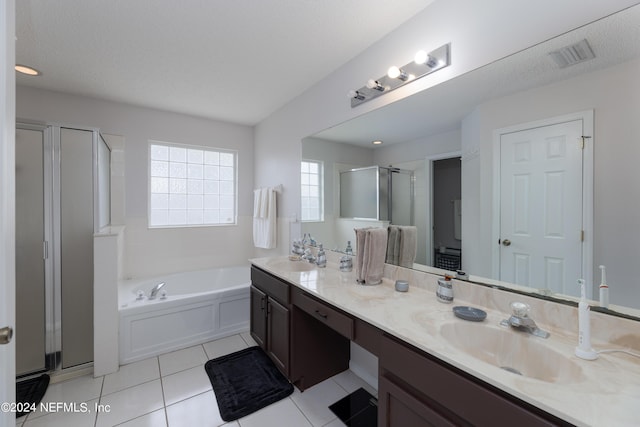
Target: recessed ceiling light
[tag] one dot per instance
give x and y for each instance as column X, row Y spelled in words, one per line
column 376, row 142
column 29, row 71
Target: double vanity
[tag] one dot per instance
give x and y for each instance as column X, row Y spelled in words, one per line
column 435, row 368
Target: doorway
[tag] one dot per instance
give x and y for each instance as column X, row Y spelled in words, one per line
column 544, row 203
column 444, row 195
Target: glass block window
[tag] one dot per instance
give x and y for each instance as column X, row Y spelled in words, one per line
column 191, row 186
column 311, row 190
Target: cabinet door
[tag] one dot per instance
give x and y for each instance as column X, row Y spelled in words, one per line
column 399, row 408
column 278, row 335
column 259, row 316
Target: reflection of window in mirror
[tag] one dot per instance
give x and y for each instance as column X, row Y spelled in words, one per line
column 311, row 190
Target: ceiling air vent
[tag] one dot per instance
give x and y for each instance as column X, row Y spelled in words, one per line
column 573, row 54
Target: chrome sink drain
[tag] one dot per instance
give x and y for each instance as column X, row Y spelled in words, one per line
column 512, row 370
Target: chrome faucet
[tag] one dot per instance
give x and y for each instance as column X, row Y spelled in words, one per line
column 521, row 321
column 308, row 256
column 155, row 289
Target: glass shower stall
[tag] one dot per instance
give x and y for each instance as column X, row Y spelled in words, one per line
column 62, row 199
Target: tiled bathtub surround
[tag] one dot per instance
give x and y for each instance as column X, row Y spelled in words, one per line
column 605, row 391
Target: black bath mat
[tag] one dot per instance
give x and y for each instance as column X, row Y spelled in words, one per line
column 359, row 409
column 30, row 392
column 246, row 381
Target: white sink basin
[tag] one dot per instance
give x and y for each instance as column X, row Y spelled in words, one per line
column 291, row 266
column 517, row 352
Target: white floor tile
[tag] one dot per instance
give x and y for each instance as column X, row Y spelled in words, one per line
column 81, row 389
column 224, row 346
column 131, row 375
column 131, row 403
column 282, row 413
column 335, row 423
column 351, row 382
column 185, row 384
column 154, row 419
column 180, row 360
column 200, row 410
column 70, row 418
column 314, row 402
column 246, row 336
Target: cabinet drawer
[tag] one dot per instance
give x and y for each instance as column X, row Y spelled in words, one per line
column 273, row 286
column 336, row 320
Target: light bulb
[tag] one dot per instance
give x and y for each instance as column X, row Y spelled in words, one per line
column 373, row 84
column 393, row 72
column 421, row 57
column 355, row 94
column 397, row 73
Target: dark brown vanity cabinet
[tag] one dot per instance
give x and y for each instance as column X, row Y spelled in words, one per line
column 270, row 317
column 416, row 389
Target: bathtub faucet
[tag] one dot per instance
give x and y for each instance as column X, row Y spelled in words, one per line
column 155, row 289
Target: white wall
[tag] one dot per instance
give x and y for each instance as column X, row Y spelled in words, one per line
column 479, row 32
column 614, row 95
column 158, row 251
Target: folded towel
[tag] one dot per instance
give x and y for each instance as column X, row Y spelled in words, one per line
column 372, row 249
column 265, row 227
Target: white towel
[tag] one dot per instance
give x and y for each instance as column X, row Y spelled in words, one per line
column 265, row 219
column 372, row 248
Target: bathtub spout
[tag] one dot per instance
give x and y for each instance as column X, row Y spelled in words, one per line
column 155, row 289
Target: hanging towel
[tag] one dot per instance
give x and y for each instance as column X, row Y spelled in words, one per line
column 393, row 245
column 408, row 245
column 402, row 245
column 457, row 220
column 372, row 249
column 264, row 218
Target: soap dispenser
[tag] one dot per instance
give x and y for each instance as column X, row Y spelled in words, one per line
column 321, row 257
column 584, row 350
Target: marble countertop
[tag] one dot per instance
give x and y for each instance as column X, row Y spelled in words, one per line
column 604, row 392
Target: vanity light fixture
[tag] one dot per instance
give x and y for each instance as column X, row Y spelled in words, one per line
column 29, row 71
column 376, row 142
column 424, row 63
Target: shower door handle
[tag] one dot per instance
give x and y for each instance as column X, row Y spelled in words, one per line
column 6, row 334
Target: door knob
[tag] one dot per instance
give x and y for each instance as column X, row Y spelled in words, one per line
column 506, row 242
column 6, row 334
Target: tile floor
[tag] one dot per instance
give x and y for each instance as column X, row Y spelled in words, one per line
column 174, row 390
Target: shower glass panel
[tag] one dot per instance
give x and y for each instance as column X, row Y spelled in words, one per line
column 76, row 244
column 402, row 197
column 359, row 193
column 30, row 252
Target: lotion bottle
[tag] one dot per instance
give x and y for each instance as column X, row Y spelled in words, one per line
column 604, row 289
column 584, row 350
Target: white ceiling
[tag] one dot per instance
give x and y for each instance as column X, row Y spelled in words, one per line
column 232, row 60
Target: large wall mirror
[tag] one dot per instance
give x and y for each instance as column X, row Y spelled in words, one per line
column 524, row 170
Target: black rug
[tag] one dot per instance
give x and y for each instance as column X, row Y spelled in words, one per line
column 246, row 381
column 30, row 392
